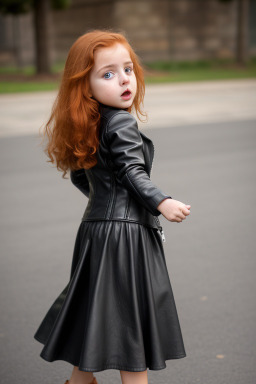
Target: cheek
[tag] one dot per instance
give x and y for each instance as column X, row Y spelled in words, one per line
column 134, row 80
column 93, row 86
column 103, row 88
column 135, row 84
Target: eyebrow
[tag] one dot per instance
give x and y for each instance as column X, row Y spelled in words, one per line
column 113, row 65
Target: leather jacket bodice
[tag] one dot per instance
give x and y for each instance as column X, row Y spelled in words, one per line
column 119, row 185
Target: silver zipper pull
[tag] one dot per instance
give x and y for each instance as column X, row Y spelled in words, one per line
column 162, row 234
column 160, row 228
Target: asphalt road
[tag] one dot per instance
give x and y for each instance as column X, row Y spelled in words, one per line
column 210, row 256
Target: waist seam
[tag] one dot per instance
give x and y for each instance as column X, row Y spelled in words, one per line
column 122, row 220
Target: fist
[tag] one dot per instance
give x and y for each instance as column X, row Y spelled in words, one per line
column 174, row 210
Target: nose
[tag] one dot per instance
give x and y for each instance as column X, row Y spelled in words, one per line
column 124, row 78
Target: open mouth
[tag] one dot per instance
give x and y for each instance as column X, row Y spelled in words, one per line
column 126, row 93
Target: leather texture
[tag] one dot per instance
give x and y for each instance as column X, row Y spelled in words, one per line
column 117, row 310
column 119, row 185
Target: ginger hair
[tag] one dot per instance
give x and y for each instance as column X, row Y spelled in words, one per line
column 73, row 127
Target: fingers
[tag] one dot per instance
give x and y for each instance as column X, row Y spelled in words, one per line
column 178, row 218
column 186, row 210
column 179, row 211
column 181, row 215
column 183, row 212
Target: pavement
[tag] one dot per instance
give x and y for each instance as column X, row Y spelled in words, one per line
column 204, row 136
column 167, row 105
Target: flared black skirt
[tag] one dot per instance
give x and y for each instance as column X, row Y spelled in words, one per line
column 118, row 310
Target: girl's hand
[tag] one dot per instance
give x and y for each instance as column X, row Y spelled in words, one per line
column 174, row 210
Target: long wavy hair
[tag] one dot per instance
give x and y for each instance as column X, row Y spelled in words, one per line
column 73, row 127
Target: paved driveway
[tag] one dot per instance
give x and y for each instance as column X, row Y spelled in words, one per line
column 168, row 105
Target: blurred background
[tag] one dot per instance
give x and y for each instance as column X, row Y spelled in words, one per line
column 199, row 58
column 207, row 38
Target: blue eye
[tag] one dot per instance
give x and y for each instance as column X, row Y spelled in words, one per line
column 108, row 75
column 128, row 70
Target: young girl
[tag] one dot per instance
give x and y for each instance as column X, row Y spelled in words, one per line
column 118, row 310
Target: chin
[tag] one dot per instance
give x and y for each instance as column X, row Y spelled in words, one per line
column 128, row 105
column 122, row 106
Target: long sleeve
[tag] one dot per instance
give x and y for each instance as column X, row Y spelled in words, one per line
column 79, row 179
column 126, row 149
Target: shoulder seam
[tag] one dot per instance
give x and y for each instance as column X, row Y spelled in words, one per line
column 118, row 113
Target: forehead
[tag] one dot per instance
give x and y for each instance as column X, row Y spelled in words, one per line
column 109, row 55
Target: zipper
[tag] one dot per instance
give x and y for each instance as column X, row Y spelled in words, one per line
column 160, row 228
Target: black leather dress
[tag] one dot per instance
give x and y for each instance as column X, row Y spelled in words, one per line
column 118, row 310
